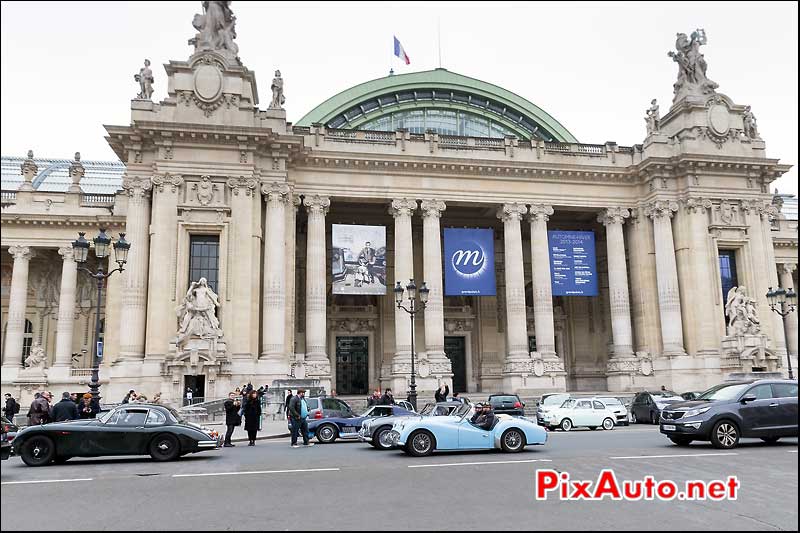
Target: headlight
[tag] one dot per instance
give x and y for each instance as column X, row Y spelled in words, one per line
column 695, row 412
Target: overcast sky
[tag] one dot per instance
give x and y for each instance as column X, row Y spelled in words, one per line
column 67, row 67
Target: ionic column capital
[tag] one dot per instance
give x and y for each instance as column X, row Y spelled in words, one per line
column 511, row 211
column 613, row 215
column 697, row 205
column 540, row 212
column 316, row 204
column 787, row 268
column 402, row 207
column 25, row 253
column 67, row 253
column 661, row 209
column 432, row 208
column 137, row 186
column 248, row 185
column 171, row 181
column 276, row 192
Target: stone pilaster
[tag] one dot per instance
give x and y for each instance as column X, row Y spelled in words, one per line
column 613, row 218
column 291, row 275
column 516, row 324
column 790, row 322
column 542, row 285
column 273, row 327
column 432, row 266
column 402, row 209
column 669, row 299
column 135, row 276
column 161, row 304
column 767, row 212
column 317, row 362
column 17, row 305
column 66, row 308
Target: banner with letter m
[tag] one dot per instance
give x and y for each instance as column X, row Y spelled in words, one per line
column 469, row 262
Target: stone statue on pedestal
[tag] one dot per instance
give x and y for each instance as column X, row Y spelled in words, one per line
column 37, row 357
column 742, row 312
column 277, row 92
column 749, row 121
column 652, row 118
column 145, row 79
column 692, row 79
column 217, row 29
column 198, row 313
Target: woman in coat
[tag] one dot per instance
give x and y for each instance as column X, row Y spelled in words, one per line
column 441, row 394
column 252, row 416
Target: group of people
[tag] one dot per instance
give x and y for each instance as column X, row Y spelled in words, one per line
column 244, row 403
column 43, row 410
column 377, row 399
column 135, row 397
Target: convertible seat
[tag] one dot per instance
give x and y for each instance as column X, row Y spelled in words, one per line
column 496, row 421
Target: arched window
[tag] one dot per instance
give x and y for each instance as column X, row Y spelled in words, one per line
column 27, row 340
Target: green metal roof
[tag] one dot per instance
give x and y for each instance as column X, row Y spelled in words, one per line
column 440, row 89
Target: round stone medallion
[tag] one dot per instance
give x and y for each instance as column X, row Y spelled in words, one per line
column 719, row 119
column 538, row 368
column 207, row 82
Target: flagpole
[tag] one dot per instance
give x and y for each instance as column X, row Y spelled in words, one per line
column 439, row 32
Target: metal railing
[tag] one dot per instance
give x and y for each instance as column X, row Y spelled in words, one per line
column 80, row 372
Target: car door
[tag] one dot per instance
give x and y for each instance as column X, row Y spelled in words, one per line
column 636, row 406
column 600, row 412
column 760, row 415
column 472, row 437
column 583, row 414
column 154, row 423
column 786, row 395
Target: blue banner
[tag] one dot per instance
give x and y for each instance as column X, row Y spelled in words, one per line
column 573, row 266
column 469, row 262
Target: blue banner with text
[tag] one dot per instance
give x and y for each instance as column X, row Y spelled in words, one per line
column 573, row 266
column 469, row 262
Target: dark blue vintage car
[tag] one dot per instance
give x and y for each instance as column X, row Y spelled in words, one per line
column 346, row 425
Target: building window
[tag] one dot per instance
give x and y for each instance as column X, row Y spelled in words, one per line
column 204, row 259
column 727, row 272
column 27, row 340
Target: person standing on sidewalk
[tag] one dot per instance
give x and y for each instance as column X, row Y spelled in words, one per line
column 298, row 411
column 11, row 408
column 286, row 403
column 252, row 416
column 65, row 409
column 232, row 418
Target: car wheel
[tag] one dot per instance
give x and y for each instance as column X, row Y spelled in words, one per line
column 380, row 438
column 513, row 440
column 633, row 418
column 725, row 435
column 165, row 447
column 38, row 451
column 654, row 418
column 61, row 459
column 681, row 441
column 420, row 444
column 566, row 424
column 770, row 440
column 327, row 433
column 608, row 424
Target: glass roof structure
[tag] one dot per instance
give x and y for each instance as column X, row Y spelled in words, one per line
column 100, row 177
column 441, row 101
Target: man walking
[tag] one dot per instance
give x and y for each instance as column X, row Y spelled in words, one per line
column 387, row 398
column 65, row 409
column 298, row 411
column 11, row 408
column 232, row 418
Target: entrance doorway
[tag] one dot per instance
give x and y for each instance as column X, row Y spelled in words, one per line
column 352, row 365
column 198, row 386
column 456, row 350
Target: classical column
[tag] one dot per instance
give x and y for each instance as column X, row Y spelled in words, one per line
column 432, row 267
column 542, row 285
column 706, row 320
column 790, row 322
column 66, row 308
column 401, row 209
column 316, row 290
column 161, row 304
column 613, row 218
column 669, row 299
column 516, row 324
column 767, row 211
column 273, row 328
column 134, row 292
column 17, row 304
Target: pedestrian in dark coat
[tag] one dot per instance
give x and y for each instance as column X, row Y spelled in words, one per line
column 39, row 412
column 11, row 408
column 88, row 408
column 65, row 409
column 387, row 398
column 252, row 416
column 441, row 394
column 286, row 403
column 298, row 414
column 232, row 418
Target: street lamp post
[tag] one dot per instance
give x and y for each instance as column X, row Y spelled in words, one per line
column 779, row 300
column 412, row 310
column 80, row 248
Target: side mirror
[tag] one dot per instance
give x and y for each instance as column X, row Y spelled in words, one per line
column 748, row 398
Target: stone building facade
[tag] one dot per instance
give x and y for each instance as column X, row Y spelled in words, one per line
column 210, row 184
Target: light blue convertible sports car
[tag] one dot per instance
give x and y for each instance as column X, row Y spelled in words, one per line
column 421, row 436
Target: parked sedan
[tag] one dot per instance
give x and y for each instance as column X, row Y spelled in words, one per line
column 647, row 406
column 346, row 427
column 508, row 404
column 376, row 430
column 581, row 412
column 618, row 407
column 548, row 403
column 421, row 436
column 131, row 429
column 764, row 409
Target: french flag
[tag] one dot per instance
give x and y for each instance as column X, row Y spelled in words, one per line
column 399, row 52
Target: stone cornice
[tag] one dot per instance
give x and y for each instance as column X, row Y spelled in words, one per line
column 62, row 220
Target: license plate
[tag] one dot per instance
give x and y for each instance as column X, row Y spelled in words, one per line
column 348, row 430
column 668, row 427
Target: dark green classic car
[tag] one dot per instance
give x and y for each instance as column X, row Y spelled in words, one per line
column 130, row 429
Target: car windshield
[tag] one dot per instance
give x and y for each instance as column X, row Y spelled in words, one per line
column 462, row 409
column 556, row 399
column 610, row 401
column 665, row 395
column 427, row 409
column 724, row 392
column 105, row 416
column 176, row 416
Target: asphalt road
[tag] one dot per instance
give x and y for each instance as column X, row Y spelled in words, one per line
column 348, row 485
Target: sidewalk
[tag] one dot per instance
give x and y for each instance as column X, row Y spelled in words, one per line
column 269, row 430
